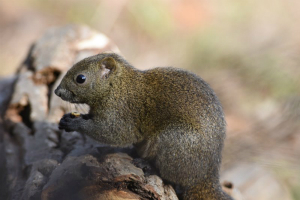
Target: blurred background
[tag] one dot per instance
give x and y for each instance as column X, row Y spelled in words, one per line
column 248, row 51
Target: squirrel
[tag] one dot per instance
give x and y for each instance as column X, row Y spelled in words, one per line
column 171, row 116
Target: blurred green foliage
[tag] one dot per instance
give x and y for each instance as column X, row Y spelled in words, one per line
column 153, row 17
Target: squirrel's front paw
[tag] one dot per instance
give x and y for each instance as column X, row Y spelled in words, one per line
column 69, row 123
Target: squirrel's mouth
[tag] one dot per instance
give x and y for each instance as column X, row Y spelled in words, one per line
column 69, row 96
column 66, row 95
column 72, row 98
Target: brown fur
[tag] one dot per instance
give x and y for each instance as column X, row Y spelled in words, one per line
column 170, row 115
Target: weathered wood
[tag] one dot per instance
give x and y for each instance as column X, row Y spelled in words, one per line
column 6, row 89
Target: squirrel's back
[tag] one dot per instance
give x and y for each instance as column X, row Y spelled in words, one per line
column 183, row 97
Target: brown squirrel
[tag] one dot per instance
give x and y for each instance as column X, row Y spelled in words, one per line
column 171, row 116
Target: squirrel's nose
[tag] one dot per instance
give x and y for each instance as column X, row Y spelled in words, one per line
column 57, row 91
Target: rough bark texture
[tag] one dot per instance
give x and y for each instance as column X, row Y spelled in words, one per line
column 38, row 161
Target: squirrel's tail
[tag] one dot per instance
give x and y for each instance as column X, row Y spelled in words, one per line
column 209, row 192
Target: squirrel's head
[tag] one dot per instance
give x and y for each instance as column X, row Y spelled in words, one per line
column 90, row 78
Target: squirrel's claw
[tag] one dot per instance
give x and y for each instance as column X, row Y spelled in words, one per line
column 67, row 123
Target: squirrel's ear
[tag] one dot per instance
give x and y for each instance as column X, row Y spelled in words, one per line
column 107, row 66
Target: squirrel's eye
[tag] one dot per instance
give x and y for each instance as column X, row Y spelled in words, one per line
column 80, row 78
